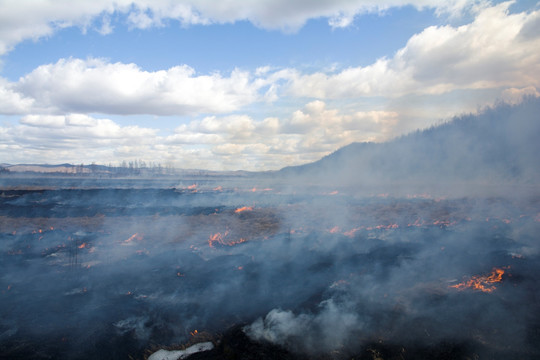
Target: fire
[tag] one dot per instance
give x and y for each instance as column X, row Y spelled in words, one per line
column 243, row 208
column 444, row 223
column 218, row 188
column 334, row 230
column 82, row 246
column 219, row 239
column 484, row 283
column 379, row 227
column 135, row 236
column 192, row 187
column 417, row 223
column 351, row 232
column 194, row 332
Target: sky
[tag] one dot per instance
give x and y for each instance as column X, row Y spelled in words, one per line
column 250, row 85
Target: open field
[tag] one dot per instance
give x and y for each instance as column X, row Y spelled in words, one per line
column 123, row 269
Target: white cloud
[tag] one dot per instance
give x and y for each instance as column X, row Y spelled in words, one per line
column 32, row 19
column 12, row 102
column 73, row 138
column 490, row 52
column 96, row 86
column 515, row 95
column 306, row 135
column 220, row 143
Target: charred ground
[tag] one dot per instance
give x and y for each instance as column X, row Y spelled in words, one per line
column 114, row 272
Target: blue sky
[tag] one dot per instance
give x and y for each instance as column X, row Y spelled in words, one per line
column 249, row 85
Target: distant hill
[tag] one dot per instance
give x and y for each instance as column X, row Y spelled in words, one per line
column 500, row 145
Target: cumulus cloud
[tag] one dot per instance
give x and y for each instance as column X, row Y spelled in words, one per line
column 489, row 52
column 306, row 135
column 212, row 142
column 70, row 138
column 11, row 101
column 97, row 86
column 20, row 21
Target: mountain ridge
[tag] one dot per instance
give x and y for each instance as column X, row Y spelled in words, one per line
column 498, row 145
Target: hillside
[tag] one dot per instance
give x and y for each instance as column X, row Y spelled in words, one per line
column 498, row 146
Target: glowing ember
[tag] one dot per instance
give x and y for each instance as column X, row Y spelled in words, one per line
column 484, row 283
column 379, row 227
column 243, row 208
column 351, row 232
column 135, row 236
column 194, row 332
column 219, row 239
column 334, row 230
column 416, row 223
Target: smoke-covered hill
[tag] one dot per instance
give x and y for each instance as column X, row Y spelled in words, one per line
column 498, row 146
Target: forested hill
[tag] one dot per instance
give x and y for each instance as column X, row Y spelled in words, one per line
column 500, row 145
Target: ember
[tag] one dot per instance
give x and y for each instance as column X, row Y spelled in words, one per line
column 484, row 283
column 307, row 276
column 243, row 208
column 219, row 239
column 135, row 236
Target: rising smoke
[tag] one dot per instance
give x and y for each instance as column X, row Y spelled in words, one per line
column 110, row 268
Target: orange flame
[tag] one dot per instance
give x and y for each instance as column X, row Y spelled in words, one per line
column 379, row 227
column 82, row 246
column 218, row 188
column 219, row 239
column 135, row 236
column 334, row 230
column 484, row 283
column 351, row 232
column 243, row 208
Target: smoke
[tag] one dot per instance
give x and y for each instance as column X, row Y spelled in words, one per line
column 112, row 267
column 309, row 333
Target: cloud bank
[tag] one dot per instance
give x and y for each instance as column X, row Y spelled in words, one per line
column 262, row 118
column 37, row 19
column 488, row 53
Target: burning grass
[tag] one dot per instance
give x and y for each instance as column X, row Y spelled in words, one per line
column 322, row 276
